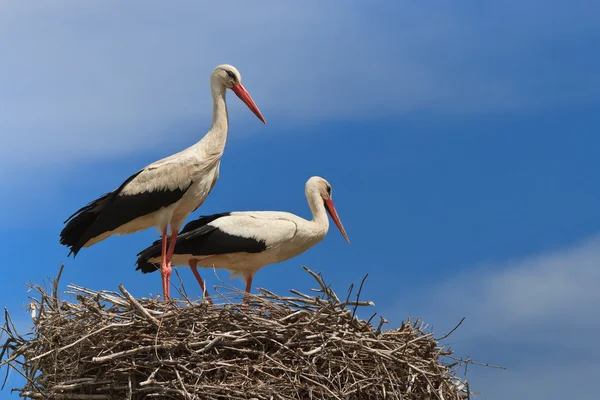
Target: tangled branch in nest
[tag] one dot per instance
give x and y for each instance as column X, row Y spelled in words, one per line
column 108, row 345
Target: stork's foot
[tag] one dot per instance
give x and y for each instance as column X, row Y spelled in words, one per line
column 165, row 271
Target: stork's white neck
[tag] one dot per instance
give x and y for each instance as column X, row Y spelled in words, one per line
column 217, row 135
column 317, row 207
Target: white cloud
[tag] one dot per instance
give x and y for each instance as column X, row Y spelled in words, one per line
column 89, row 80
column 535, row 316
column 538, row 290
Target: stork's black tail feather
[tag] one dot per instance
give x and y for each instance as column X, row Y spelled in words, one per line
column 77, row 232
column 149, row 252
column 73, row 235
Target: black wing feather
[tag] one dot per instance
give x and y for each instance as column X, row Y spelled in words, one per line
column 111, row 210
column 201, row 239
column 201, row 221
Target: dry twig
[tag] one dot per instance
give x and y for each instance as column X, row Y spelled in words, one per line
column 109, row 345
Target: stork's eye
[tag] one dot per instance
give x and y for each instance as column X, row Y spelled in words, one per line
column 231, row 75
column 329, row 190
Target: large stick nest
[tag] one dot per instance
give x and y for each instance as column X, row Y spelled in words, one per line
column 109, row 345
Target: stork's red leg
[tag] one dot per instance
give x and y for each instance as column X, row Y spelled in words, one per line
column 194, row 266
column 171, row 248
column 169, row 256
column 248, row 286
column 163, row 264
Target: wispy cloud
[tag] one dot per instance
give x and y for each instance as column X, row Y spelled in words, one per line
column 87, row 80
column 540, row 290
column 532, row 315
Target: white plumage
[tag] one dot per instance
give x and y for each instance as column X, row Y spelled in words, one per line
column 165, row 192
column 244, row 242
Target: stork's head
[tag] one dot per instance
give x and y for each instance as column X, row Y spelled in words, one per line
column 229, row 77
column 317, row 186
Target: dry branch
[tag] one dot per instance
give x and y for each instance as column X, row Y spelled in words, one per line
column 109, row 345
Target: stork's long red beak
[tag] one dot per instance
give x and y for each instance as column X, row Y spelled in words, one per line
column 331, row 210
column 243, row 94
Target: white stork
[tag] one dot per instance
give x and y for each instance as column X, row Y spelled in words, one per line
column 165, row 192
column 244, row 242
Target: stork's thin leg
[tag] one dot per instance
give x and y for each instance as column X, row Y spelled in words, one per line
column 171, row 248
column 194, row 266
column 169, row 256
column 248, row 287
column 163, row 264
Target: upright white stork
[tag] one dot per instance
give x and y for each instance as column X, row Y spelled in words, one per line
column 244, row 242
column 165, row 192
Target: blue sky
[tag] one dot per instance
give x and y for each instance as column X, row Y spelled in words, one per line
column 460, row 140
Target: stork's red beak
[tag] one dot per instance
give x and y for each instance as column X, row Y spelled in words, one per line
column 331, row 210
column 243, row 94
